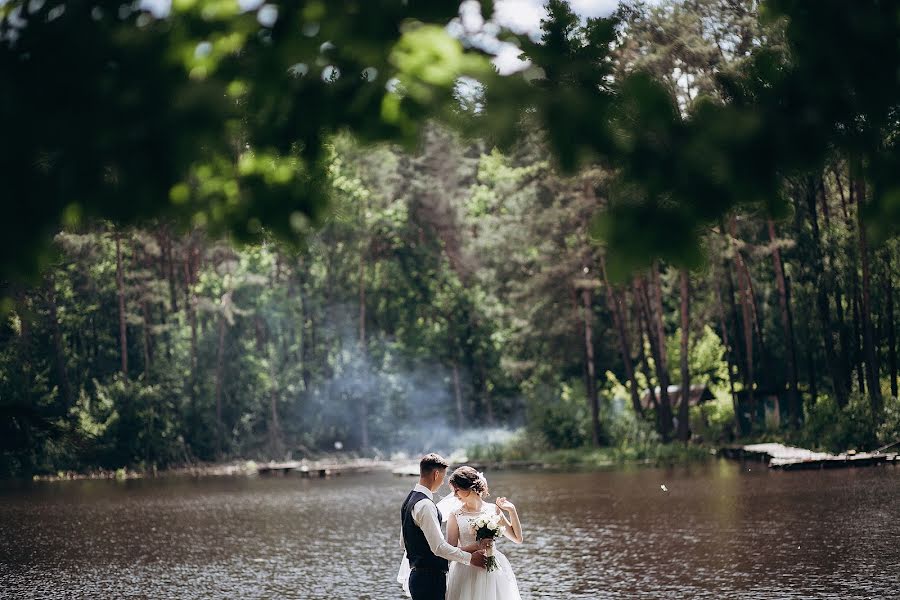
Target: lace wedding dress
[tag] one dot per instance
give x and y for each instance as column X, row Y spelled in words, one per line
column 471, row 583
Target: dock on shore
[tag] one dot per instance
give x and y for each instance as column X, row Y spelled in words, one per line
column 779, row 456
column 320, row 469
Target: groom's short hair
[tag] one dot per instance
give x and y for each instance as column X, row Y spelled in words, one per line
column 431, row 463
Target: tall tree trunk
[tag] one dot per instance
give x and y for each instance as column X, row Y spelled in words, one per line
column 788, row 328
column 593, row 398
column 190, row 304
column 363, row 347
column 220, row 382
column 644, row 329
column 746, row 296
column 858, row 348
column 307, row 326
column 889, row 325
column 822, row 304
column 655, row 314
column 120, row 287
column 145, row 313
column 845, row 351
column 869, row 341
column 615, row 306
column 858, row 352
column 170, row 270
column 738, row 342
column 267, row 347
column 58, row 349
column 726, row 340
column 684, row 431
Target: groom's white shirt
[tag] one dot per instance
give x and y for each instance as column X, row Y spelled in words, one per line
column 425, row 515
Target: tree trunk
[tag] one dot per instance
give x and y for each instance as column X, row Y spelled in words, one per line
column 822, row 304
column 220, row 382
column 190, row 304
column 844, row 351
column 655, row 324
column 457, row 394
column 726, row 340
column 738, row 343
column 58, row 349
column 615, row 307
column 363, row 400
column 891, row 331
column 170, row 270
column 869, row 341
column 145, row 313
column 643, row 328
column 120, row 287
column 684, row 431
column 593, row 398
column 746, row 296
column 858, row 332
column 788, row 328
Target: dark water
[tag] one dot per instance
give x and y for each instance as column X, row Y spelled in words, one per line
column 720, row 531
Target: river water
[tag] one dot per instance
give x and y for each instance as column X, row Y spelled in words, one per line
column 717, row 530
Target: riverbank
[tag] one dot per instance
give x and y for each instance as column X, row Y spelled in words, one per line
column 495, row 458
column 323, row 467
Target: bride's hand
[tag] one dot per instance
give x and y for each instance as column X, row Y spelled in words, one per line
column 505, row 504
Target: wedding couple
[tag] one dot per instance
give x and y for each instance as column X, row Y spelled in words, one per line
column 435, row 568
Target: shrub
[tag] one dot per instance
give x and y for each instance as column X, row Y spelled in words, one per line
column 835, row 429
column 559, row 416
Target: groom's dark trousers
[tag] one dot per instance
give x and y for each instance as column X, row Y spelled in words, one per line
column 428, row 580
column 427, row 584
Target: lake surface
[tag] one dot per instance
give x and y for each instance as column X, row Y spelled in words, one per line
column 722, row 530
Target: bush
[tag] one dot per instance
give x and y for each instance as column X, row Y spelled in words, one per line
column 631, row 437
column 714, row 421
column 889, row 430
column 829, row 427
column 559, row 416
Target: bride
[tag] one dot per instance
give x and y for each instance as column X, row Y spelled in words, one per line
column 471, row 583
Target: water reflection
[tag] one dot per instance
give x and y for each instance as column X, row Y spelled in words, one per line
column 720, row 530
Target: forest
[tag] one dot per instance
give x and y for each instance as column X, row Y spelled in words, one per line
column 509, row 281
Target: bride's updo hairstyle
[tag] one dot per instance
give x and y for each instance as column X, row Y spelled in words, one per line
column 467, row 478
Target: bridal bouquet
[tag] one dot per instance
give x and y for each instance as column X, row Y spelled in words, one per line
column 488, row 527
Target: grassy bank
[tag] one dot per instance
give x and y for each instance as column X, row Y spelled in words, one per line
column 523, row 448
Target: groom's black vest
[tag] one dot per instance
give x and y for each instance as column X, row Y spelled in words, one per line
column 417, row 549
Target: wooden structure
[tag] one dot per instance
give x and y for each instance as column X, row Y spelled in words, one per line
column 698, row 395
column 765, row 411
column 788, row 458
column 317, row 469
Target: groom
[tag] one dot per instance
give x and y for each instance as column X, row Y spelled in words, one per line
column 426, row 548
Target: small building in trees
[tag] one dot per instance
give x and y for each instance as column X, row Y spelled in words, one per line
column 765, row 410
column 698, row 395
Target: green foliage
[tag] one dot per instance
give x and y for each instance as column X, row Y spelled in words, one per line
column 889, row 429
column 633, row 438
column 559, row 416
column 714, row 422
column 126, row 422
column 706, row 358
column 836, row 429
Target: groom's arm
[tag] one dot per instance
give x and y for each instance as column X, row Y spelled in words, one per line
column 425, row 516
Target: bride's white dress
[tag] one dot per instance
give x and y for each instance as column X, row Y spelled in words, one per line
column 465, row 582
column 471, row 583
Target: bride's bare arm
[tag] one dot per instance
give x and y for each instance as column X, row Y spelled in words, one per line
column 453, row 531
column 513, row 525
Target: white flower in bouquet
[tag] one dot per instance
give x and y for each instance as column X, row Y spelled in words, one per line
column 488, row 527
